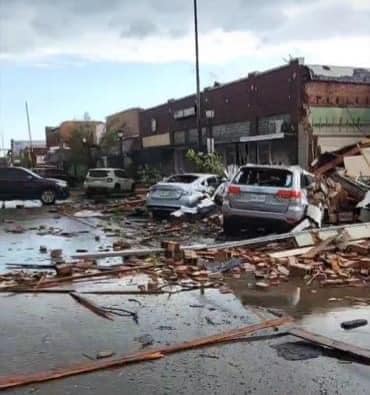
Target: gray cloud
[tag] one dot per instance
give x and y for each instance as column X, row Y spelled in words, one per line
column 30, row 25
column 140, row 28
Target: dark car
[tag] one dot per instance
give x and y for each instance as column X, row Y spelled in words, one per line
column 23, row 184
column 53, row 172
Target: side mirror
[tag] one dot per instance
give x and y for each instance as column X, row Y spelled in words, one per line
column 30, row 178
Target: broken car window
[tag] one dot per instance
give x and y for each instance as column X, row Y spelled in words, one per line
column 265, row 177
column 183, row 178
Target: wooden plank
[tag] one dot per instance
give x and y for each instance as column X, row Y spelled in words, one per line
column 350, row 349
column 289, row 253
column 120, row 253
column 336, row 161
column 92, row 292
column 320, row 247
column 80, row 277
column 92, row 366
column 303, row 250
column 91, row 306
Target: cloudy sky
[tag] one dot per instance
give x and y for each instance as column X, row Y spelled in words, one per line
column 100, row 56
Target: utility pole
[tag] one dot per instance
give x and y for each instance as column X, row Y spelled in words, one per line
column 198, row 104
column 30, row 150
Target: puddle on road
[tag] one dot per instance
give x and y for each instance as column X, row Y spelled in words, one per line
column 321, row 309
column 24, row 247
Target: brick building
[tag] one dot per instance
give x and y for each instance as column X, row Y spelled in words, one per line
column 126, row 122
column 56, row 136
column 284, row 115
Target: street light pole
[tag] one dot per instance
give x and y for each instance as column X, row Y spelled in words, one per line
column 210, row 114
column 86, row 143
column 198, row 104
column 120, row 136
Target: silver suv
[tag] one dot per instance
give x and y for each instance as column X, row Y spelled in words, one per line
column 262, row 195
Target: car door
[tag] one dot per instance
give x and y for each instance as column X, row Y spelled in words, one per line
column 5, row 184
column 23, row 184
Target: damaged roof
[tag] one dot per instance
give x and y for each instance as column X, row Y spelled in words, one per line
column 339, row 73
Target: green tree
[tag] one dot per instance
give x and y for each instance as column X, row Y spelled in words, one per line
column 206, row 163
column 111, row 139
column 81, row 155
column 79, row 142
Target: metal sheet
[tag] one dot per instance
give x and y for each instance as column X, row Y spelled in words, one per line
column 264, row 137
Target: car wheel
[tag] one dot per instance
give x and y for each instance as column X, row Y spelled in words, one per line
column 230, row 228
column 48, row 197
column 117, row 188
column 132, row 187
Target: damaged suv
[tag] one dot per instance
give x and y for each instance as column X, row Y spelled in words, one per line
column 261, row 196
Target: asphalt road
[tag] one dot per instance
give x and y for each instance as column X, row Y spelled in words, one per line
column 40, row 332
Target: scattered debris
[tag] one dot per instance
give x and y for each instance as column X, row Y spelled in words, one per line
column 104, row 354
column 353, row 324
column 145, row 340
column 43, row 250
column 91, row 306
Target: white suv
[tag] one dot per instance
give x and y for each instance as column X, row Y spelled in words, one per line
column 107, row 180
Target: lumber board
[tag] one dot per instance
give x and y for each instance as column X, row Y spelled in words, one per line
column 120, row 253
column 321, row 340
column 320, row 247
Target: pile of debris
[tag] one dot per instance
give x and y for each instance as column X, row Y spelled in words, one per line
column 344, row 183
column 334, row 256
column 330, row 196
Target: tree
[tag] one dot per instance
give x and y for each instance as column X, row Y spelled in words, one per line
column 206, row 163
column 80, row 144
column 111, row 140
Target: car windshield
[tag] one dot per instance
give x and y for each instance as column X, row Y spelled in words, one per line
column 98, row 173
column 183, row 178
column 265, row 177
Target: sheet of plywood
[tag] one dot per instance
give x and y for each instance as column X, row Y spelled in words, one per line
column 356, row 166
column 366, row 154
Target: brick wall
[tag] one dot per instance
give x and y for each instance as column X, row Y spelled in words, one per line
column 322, row 93
column 274, row 92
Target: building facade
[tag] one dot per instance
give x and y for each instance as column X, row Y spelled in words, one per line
column 127, row 124
column 337, row 108
column 285, row 115
column 57, row 136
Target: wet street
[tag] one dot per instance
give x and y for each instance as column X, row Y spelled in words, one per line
column 40, row 331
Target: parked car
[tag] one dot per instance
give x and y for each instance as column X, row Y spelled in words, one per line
column 56, row 174
column 266, row 195
column 23, row 184
column 180, row 190
column 107, row 181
